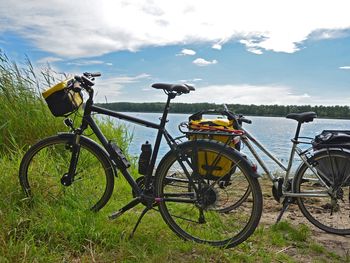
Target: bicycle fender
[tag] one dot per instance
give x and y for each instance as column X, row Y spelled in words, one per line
column 251, row 166
column 330, row 149
column 321, row 151
column 93, row 143
column 316, row 153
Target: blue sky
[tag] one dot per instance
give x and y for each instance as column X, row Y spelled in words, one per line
column 248, row 52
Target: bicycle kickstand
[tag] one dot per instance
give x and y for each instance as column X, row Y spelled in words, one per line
column 121, row 211
column 138, row 221
column 286, row 202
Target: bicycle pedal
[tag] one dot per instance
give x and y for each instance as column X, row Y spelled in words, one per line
column 115, row 215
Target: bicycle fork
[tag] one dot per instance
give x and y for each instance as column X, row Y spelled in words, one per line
column 68, row 178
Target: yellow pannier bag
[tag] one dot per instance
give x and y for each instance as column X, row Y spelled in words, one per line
column 62, row 99
column 214, row 129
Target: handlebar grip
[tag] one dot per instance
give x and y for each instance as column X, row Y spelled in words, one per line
column 190, row 88
column 96, row 74
column 245, row 120
column 92, row 75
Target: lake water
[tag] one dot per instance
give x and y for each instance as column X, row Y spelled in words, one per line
column 274, row 133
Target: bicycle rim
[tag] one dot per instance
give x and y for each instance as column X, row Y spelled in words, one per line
column 45, row 165
column 206, row 213
column 331, row 214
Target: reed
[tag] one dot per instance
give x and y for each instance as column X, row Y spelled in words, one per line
column 24, row 116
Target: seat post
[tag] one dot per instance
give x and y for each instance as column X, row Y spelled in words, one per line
column 166, row 110
column 297, row 131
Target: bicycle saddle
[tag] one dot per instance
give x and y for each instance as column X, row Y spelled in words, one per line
column 302, row 117
column 178, row 88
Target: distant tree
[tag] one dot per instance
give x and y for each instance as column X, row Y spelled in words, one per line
column 254, row 110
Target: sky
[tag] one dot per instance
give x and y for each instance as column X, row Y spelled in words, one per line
column 245, row 52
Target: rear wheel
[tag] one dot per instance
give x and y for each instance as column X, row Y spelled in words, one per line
column 44, row 168
column 330, row 212
column 199, row 209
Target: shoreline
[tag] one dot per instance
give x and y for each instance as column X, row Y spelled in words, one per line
column 323, row 112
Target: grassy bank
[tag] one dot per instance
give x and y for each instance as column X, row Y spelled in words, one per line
column 60, row 233
column 57, row 233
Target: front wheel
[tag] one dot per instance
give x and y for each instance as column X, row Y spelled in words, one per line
column 327, row 185
column 44, row 168
column 194, row 206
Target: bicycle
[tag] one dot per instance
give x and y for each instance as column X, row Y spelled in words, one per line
column 75, row 170
column 321, row 183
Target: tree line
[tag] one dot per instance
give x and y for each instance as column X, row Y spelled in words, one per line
column 339, row 112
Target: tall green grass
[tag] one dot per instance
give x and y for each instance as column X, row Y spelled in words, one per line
column 24, row 116
column 56, row 232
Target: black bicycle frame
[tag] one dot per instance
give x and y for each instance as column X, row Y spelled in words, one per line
column 89, row 121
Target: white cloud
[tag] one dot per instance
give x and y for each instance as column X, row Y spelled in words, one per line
column 252, row 46
column 328, row 34
column 111, row 88
column 119, row 88
column 129, row 79
column 255, row 51
column 344, row 67
column 187, row 52
column 90, row 28
column 49, row 60
column 216, row 46
column 202, row 62
column 86, row 62
column 190, row 80
column 250, row 94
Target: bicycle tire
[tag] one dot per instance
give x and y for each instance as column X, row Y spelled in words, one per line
column 45, row 163
column 327, row 213
column 199, row 218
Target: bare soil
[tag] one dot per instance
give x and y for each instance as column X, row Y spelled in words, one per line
column 339, row 245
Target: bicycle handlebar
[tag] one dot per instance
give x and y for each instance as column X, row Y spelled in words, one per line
column 245, row 120
column 238, row 117
column 92, row 75
column 86, row 81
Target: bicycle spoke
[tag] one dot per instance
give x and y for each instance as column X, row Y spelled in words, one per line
column 328, row 212
column 208, row 219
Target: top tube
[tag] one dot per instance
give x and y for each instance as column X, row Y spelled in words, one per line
column 125, row 117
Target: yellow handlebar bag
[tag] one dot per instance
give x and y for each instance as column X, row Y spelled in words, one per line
column 62, row 99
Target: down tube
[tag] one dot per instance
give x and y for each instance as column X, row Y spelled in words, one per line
column 105, row 143
column 246, row 139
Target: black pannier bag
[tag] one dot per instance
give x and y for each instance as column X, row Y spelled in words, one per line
column 332, row 139
column 340, row 168
column 62, row 99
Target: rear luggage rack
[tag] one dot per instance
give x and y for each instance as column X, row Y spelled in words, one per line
column 208, row 130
